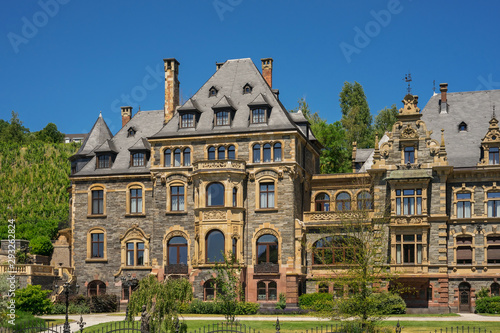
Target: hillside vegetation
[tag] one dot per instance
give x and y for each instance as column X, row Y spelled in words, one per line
column 34, row 172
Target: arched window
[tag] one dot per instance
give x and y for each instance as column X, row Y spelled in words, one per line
column 214, row 246
column 95, row 288
column 256, row 153
column 235, row 197
column 364, row 201
column 210, row 290
column 464, row 250
column 215, row 194
column 323, row 288
column 221, row 153
column 462, row 127
column 167, row 157
column 231, row 153
column 211, row 153
column 277, row 152
column 335, row 250
column 187, row 157
column 177, row 157
column 267, row 291
column 177, row 251
column 343, row 201
column 96, row 244
column 322, row 202
column 495, row 289
column 267, row 152
column 267, row 249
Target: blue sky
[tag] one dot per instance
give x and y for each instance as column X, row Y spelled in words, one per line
column 64, row 61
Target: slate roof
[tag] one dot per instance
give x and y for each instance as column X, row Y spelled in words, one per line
column 145, row 123
column 475, row 108
column 229, row 80
column 97, row 136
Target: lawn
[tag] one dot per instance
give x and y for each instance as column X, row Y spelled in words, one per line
column 313, row 327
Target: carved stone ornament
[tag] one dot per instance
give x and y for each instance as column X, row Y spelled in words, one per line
column 410, row 105
column 385, row 148
column 251, row 176
column 409, row 220
column 214, row 215
column 409, row 166
column 409, row 133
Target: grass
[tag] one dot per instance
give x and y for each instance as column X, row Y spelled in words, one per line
column 302, row 326
column 426, row 315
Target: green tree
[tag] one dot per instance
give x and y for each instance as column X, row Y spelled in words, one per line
column 34, row 300
column 162, row 301
column 228, row 281
column 385, row 119
column 335, row 156
column 15, row 132
column 50, row 134
column 42, row 245
column 356, row 116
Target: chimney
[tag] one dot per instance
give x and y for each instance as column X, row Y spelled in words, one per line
column 171, row 66
column 218, row 65
column 126, row 114
column 267, row 70
column 444, row 104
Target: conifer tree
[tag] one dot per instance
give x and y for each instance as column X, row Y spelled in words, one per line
column 356, row 116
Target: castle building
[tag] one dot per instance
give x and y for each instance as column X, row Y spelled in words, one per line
column 232, row 171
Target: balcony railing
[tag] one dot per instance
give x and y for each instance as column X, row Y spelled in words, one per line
column 267, row 268
column 337, row 216
column 238, row 165
column 176, row 269
column 27, row 269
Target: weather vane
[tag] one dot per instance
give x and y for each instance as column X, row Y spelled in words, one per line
column 408, row 79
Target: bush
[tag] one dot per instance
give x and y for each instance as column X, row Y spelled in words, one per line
column 388, row 303
column 483, row 292
column 103, row 303
column 34, row 300
column 282, row 302
column 284, row 311
column 42, row 245
column 323, row 305
column 307, row 301
column 25, row 318
column 488, row 305
column 247, row 308
column 200, row 307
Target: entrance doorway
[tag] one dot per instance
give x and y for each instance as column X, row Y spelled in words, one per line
column 464, row 297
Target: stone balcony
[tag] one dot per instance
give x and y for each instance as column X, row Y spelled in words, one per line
column 336, row 216
column 219, row 165
column 176, row 269
column 27, row 269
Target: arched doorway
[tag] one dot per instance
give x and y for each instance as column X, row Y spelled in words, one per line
column 464, row 297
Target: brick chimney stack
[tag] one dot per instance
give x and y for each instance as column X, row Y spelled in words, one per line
column 126, row 114
column 171, row 66
column 267, row 70
column 444, row 102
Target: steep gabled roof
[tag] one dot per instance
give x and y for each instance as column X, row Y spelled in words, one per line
column 97, row 136
column 475, row 109
column 229, row 81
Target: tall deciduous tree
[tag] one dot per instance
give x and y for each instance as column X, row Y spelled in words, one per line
column 50, row 134
column 162, row 301
column 356, row 117
column 385, row 119
column 15, row 132
column 228, row 281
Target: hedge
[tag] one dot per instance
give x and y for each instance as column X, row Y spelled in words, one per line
column 488, row 305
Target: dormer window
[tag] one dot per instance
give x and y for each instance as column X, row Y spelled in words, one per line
column 222, row 118
column 258, row 116
column 247, row 89
column 462, row 127
column 138, row 159
column 103, row 161
column 494, row 156
column 131, row 132
column 409, row 155
column 212, row 92
column 187, row 120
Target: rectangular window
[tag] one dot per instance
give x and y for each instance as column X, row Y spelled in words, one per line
column 409, row 202
column 222, row 118
column 267, row 195
column 97, row 202
column 97, row 245
column 103, row 161
column 136, row 201
column 187, row 120
column 258, row 116
column 409, row 155
column 493, row 204
column 494, row 155
column 130, row 254
column 135, row 254
column 409, row 249
column 463, row 205
column 138, row 159
column 140, row 254
column 493, row 250
column 177, row 198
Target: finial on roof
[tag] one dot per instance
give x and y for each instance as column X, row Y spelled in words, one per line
column 442, row 137
column 434, row 88
column 100, row 114
column 494, row 115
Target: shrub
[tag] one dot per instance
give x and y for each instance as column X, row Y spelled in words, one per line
column 307, row 301
column 34, row 300
column 25, row 318
column 200, row 307
column 323, row 305
column 103, row 303
column 281, row 304
column 284, row 311
column 247, row 308
column 484, row 292
column 42, row 245
column 388, row 303
column 488, row 305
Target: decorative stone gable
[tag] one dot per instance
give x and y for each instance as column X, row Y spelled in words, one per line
column 490, row 140
column 410, row 106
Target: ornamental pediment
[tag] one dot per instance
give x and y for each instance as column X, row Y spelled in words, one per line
column 409, row 133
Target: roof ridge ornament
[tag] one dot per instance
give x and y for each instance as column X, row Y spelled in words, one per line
column 410, row 105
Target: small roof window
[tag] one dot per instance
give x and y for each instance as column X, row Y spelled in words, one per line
column 131, row 132
column 212, row 92
column 462, row 127
column 247, row 89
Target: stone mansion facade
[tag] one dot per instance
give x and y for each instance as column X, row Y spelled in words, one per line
column 232, row 171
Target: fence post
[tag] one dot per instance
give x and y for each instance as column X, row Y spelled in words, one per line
column 277, row 325
column 81, row 323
